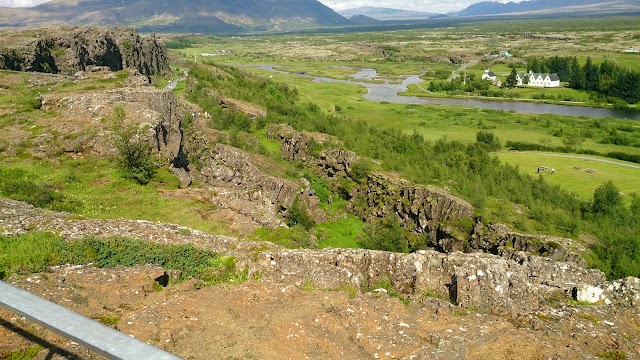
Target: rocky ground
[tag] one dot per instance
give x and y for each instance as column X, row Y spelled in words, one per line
column 301, row 304
column 269, row 320
column 276, row 316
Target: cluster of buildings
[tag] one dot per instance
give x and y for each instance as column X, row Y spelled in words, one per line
column 527, row 79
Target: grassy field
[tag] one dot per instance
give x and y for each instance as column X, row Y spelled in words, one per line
column 457, row 123
column 571, row 173
column 94, row 188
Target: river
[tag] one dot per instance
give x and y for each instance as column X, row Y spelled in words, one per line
column 389, row 91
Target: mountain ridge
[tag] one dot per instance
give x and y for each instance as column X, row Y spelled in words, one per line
column 541, row 7
column 178, row 15
column 382, row 13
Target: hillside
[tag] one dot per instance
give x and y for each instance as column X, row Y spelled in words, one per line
column 207, row 16
column 214, row 210
column 380, row 13
column 550, row 7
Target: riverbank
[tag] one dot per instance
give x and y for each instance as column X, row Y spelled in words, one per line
column 390, row 92
column 424, row 93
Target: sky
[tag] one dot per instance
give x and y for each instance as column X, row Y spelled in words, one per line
column 431, row 6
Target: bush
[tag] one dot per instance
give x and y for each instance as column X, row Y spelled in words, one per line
column 17, row 185
column 297, row 215
column 489, row 139
column 134, row 159
column 360, row 170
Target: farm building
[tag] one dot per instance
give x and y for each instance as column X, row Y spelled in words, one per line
column 538, row 79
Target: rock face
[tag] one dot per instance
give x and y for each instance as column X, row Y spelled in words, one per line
column 498, row 239
column 483, row 282
column 145, row 106
column 479, row 281
column 298, row 146
column 226, row 165
column 421, row 208
column 70, row 50
column 447, row 220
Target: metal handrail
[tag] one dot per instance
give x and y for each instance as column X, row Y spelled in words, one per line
column 98, row 337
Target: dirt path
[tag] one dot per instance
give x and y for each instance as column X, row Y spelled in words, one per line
column 456, row 73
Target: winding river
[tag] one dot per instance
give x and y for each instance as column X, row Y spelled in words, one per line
column 388, row 92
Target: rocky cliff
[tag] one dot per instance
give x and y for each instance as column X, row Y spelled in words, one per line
column 68, row 50
column 447, row 220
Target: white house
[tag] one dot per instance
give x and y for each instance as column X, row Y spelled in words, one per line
column 538, row 79
column 491, row 76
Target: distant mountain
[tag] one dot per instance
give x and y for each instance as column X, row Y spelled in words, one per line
column 362, row 20
column 380, row 13
column 208, row 16
column 551, row 7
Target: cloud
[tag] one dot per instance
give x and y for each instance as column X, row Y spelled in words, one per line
column 431, row 6
column 21, row 3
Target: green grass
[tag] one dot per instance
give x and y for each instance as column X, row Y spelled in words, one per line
column 27, row 353
column 342, row 233
column 580, row 182
column 35, row 251
column 92, row 187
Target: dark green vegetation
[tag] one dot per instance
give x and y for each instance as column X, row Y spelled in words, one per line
column 470, row 170
column 135, row 159
column 609, row 81
column 35, row 251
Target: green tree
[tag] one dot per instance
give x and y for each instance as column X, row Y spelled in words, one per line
column 606, row 199
column 592, row 75
column 386, row 235
column 134, row 157
column 577, row 80
column 512, row 78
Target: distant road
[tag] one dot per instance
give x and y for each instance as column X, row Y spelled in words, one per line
column 456, row 73
column 174, row 82
column 585, row 158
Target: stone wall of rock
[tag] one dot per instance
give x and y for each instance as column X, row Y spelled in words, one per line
column 224, row 165
column 500, row 240
column 482, row 282
column 145, row 106
column 424, row 209
column 70, row 50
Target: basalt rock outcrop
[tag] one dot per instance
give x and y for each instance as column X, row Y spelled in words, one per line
column 483, row 282
column 69, row 50
column 424, row 209
column 298, row 146
column 145, row 106
column 228, row 166
column 447, row 220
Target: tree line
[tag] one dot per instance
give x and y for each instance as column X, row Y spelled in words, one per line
column 608, row 79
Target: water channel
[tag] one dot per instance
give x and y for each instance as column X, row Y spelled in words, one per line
column 388, row 92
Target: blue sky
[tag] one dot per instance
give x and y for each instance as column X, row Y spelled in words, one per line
column 433, row 6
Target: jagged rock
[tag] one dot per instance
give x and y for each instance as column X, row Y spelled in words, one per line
column 500, row 240
column 421, row 208
column 144, row 106
column 297, row 146
column 184, row 177
column 230, row 165
column 69, row 50
column 479, row 281
column 625, row 291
